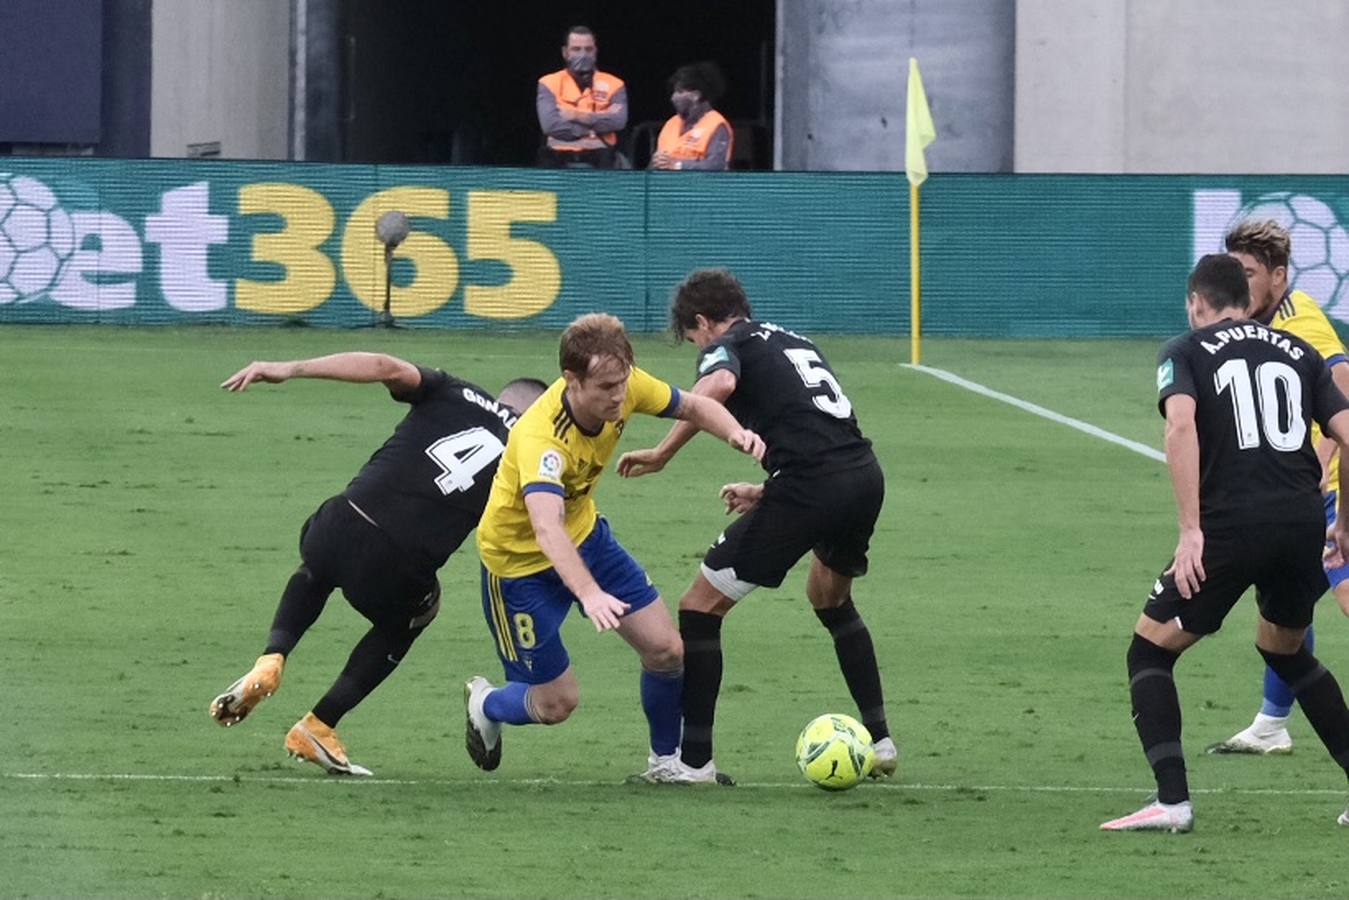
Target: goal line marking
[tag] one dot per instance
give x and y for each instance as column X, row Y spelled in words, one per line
column 562, row 782
column 1085, row 427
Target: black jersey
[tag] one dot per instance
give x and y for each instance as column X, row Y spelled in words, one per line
column 1256, row 390
column 434, row 473
column 787, row 393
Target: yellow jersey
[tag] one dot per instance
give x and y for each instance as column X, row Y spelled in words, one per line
column 548, row 451
column 1297, row 313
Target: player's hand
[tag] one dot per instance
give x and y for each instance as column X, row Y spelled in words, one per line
column 741, row 497
column 1337, row 545
column 747, row 442
column 636, row 463
column 1188, row 566
column 604, row 610
column 269, row 372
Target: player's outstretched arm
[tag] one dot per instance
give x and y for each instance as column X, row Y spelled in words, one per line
column 1182, row 459
column 716, row 386
column 547, row 515
column 400, row 376
column 710, row 416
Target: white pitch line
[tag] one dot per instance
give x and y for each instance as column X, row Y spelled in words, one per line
column 1029, row 407
column 559, row 782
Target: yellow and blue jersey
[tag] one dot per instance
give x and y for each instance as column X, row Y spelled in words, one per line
column 1297, row 313
column 549, row 451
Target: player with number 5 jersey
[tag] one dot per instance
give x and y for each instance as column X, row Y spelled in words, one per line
column 384, row 537
column 823, row 495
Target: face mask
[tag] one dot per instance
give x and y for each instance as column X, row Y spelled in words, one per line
column 581, row 63
column 684, row 104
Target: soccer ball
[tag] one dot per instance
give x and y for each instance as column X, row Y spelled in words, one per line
column 36, row 238
column 1320, row 263
column 834, row 752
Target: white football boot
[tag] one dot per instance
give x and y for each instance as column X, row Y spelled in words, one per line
column 1176, row 818
column 673, row 770
column 886, row 759
column 1265, row 735
column 482, row 736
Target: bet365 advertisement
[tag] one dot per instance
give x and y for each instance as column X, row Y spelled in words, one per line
column 172, row 241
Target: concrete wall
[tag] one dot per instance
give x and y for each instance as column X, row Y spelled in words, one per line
column 843, row 71
column 221, row 72
column 1159, row 86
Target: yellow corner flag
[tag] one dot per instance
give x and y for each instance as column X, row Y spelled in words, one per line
column 919, row 132
column 919, row 128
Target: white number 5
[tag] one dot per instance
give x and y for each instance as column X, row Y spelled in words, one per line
column 462, row 456
column 812, row 371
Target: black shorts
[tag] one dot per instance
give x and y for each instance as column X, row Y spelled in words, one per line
column 1282, row 561
column 341, row 549
column 832, row 513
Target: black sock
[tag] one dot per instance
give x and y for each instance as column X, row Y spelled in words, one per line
column 1152, row 688
column 1319, row 696
column 375, row 656
column 857, row 661
column 301, row 603
column 701, row 633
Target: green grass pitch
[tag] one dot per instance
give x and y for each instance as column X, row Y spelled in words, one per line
column 148, row 522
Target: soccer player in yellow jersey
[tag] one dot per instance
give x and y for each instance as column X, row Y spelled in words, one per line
column 544, row 546
column 1263, row 248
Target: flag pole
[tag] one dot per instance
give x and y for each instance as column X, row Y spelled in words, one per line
column 919, row 132
column 915, row 282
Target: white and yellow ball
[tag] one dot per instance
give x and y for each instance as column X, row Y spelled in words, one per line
column 834, row 752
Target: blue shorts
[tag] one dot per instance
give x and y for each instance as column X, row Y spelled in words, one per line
column 525, row 615
column 1334, row 575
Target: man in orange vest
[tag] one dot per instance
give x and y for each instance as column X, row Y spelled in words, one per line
column 697, row 136
column 581, row 109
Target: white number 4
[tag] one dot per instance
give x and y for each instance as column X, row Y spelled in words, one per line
column 462, row 456
column 812, row 371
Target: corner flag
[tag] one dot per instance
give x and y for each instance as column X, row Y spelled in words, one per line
column 918, row 133
column 919, row 130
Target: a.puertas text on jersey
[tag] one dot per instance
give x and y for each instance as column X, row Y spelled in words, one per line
column 1251, row 332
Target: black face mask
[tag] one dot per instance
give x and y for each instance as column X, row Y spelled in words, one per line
column 581, row 64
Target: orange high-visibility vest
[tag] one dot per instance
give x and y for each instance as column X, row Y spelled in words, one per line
column 595, row 98
column 692, row 144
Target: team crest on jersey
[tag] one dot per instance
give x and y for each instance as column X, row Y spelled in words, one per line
column 718, row 355
column 550, row 465
column 1166, row 374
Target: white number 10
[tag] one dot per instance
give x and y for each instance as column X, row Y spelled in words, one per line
column 1268, row 376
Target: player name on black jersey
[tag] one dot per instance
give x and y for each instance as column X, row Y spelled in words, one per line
column 1226, row 336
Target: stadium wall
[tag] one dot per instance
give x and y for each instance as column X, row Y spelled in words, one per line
column 1242, row 86
column 144, row 242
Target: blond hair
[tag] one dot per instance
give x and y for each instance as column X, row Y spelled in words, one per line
column 1265, row 239
column 595, row 335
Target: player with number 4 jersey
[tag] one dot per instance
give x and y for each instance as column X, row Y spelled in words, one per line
column 823, row 495
column 384, row 537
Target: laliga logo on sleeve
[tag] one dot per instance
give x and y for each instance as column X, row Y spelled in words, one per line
column 550, row 465
column 1166, row 373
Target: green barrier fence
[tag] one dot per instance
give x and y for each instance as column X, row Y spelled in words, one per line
column 173, row 241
